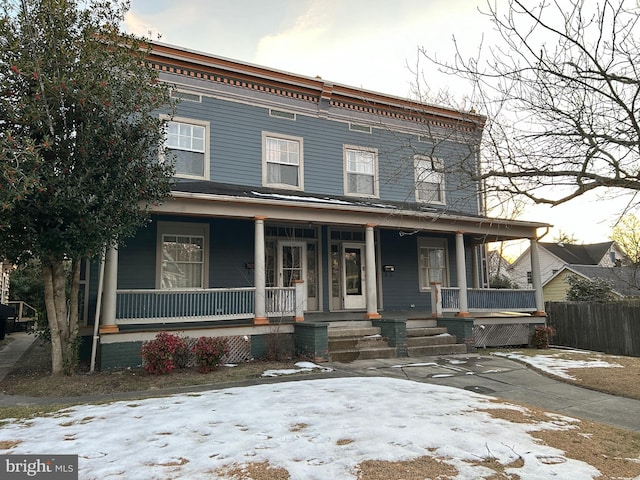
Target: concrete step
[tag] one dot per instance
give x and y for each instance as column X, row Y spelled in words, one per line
column 353, row 332
column 435, row 350
column 349, row 324
column 430, row 341
column 345, row 356
column 357, row 343
column 421, row 322
column 425, row 331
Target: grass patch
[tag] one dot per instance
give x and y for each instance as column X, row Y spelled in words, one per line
column 623, row 382
column 32, row 377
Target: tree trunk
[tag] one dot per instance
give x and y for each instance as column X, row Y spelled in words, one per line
column 63, row 321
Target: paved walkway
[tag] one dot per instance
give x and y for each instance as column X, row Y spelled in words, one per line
column 489, row 375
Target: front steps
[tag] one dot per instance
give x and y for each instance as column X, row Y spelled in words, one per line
column 426, row 339
column 358, row 340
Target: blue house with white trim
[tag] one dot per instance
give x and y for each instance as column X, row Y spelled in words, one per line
column 299, row 203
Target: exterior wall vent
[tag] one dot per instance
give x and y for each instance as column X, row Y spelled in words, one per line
column 186, row 96
column 282, row 114
column 359, row 128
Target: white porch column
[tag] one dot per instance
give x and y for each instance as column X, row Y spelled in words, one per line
column 259, row 272
column 370, row 274
column 462, row 276
column 109, row 294
column 536, row 278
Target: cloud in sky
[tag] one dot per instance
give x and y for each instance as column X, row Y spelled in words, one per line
column 364, row 43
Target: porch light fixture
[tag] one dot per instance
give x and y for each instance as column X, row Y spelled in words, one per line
column 249, row 266
column 389, row 268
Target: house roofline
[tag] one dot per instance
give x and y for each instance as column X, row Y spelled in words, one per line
column 315, row 89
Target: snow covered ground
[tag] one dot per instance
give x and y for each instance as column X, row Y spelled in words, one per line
column 315, row 429
column 556, row 364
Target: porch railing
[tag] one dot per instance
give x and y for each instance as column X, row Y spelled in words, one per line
column 211, row 304
column 447, row 299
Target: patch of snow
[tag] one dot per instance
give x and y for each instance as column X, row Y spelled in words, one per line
column 442, row 375
column 426, row 364
column 555, row 365
column 302, row 367
column 299, row 426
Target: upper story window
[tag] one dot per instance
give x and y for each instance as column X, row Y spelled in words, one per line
column 188, row 141
column 429, row 179
column 282, row 161
column 361, row 171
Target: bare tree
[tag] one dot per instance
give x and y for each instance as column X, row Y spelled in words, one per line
column 561, row 92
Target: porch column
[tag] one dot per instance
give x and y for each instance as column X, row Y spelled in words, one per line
column 109, row 294
column 462, row 276
column 370, row 274
column 259, row 272
column 536, row 278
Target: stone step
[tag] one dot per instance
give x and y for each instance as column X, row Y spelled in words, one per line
column 353, row 332
column 435, row 350
column 429, row 341
column 425, row 331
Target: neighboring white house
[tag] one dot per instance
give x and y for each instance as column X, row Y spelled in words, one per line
column 555, row 256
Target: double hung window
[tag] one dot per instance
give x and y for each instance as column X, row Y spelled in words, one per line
column 361, row 172
column 283, row 161
column 187, row 142
column 429, row 179
column 182, row 255
column 432, row 256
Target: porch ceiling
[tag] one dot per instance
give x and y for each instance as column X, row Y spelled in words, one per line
column 207, row 199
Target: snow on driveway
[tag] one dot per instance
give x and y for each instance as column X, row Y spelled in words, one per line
column 556, row 363
column 315, row 429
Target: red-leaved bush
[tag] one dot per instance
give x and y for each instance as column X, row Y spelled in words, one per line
column 161, row 354
column 209, row 352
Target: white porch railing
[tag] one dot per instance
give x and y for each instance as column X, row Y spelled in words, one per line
column 211, row 304
column 447, row 299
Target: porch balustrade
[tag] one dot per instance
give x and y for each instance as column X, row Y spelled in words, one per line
column 447, row 299
column 211, row 304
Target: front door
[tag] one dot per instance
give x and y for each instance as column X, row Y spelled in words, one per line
column 353, row 277
column 296, row 261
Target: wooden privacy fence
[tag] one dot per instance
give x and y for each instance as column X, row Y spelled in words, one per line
column 612, row 327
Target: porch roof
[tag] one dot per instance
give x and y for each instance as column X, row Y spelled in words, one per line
column 202, row 198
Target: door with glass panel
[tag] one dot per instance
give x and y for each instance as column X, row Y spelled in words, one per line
column 353, row 276
column 297, row 261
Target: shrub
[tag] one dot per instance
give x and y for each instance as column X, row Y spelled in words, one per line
column 541, row 336
column 209, row 352
column 159, row 355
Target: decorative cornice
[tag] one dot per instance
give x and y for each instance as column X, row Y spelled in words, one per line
column 177, row 61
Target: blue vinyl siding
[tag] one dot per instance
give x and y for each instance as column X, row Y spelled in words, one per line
column 401, row 288
column 236, row 152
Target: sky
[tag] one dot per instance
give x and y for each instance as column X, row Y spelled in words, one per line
column 315, row 429
column 371, row 44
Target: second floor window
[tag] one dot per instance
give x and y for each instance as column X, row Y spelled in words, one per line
column 429, row 179
column 187, row 142
column 360, row 172
column 282, row 161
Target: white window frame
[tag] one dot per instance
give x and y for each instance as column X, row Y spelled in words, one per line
column 266, row 161
column 432, row 243
column 182, row 229
column 207, row 141
column 432, row 173
column 346, row 172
